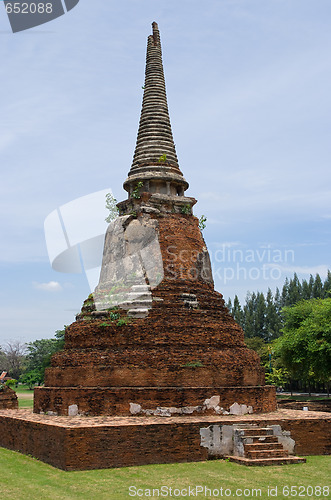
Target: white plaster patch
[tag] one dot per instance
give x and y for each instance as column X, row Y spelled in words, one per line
column 212, row 402
column 135, row 409
column 72, row 411
column 284, row 437
column 218, row 439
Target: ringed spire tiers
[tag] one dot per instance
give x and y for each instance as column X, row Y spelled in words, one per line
column 155, row 168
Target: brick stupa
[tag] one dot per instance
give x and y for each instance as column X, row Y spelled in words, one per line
column 155, row 337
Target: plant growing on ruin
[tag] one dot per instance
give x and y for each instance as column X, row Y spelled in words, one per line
column 111, row 205
column 114, row 315
column 122, row 321
column 162, row 158
column 186, row 209
column 193, row 364
column 202, row 222
column 136, row 192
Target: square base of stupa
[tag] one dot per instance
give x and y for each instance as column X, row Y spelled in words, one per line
column 81, row 443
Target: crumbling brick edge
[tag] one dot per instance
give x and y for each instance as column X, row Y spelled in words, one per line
column 104, row 442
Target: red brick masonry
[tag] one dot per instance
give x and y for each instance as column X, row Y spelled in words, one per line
column 166, row 358
column 8, row 398
column 116, row 400
column 79, row 443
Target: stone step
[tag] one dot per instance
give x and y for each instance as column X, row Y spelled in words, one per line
column 138, row 313
column 273, row 453
column 138, row 288
column 259, row 431
column 137, row 295
column 137, row 304
column 260, row 439
column 262, row 446
column 267, row 461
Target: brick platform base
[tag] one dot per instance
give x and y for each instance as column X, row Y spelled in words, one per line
column 80, row 443
column 93, row 401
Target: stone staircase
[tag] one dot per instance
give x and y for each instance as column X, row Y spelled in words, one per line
column 260, row 446
column 138, row 301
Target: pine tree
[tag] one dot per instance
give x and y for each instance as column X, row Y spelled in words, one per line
column 284, row 297
column 317, row 288
column 237, row 311
column 327, row 286
column 277, row 301
column 294, row 291
column 311, row 285
column 273, row 321
column 260, row 317
column 249, row 315
column 306, row 290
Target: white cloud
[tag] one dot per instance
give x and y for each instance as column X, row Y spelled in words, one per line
column 321, row 269
column 51, row 286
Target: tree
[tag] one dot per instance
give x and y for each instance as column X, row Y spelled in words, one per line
column 13, row 358
column 306, row 290
column 260, row 346
column 305, row 346
column 317, row 288
column 260, row 316
column 31, row 378
column 249, row 315
column 272, row 318
column 229, row 305
column 327, row 286
column 284, row 296
column 40, row 353
column 294, row 291
column 237, row 312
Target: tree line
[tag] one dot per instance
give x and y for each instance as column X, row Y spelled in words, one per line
column 261, row 315
column 26, row 363
column 291, row 331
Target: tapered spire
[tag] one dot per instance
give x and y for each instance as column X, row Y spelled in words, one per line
column 155, row 159
column 154, row 136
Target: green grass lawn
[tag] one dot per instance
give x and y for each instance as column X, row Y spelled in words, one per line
column 25, row 396
column 22, row 389
column 26, row 478
column 284, row 397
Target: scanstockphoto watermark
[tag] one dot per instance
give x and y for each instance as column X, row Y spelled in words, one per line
column 263, row 263
column 28, row 14
column 193, row 492
column 204, row 491
column 228, row 264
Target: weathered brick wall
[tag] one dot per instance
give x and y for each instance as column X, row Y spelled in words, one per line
column 135, row 445
column 112, row 401
column 45, row 442
column 83, row 444
column 8, row 398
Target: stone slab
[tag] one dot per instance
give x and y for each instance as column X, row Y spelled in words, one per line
column 267, row 461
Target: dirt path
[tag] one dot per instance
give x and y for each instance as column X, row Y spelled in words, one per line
column 25, row 395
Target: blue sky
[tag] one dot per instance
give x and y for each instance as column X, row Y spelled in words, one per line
column 248, row 86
